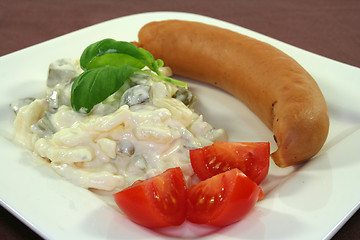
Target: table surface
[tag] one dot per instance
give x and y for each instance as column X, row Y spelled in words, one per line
column 330, row 28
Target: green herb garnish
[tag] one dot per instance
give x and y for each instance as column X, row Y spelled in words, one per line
column 107, row 64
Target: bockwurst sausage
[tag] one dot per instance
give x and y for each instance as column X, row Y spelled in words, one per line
column 272, row 84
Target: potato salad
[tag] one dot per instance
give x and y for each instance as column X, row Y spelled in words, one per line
column 141, row 130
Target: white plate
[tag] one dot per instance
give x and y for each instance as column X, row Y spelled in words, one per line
column 308, row 202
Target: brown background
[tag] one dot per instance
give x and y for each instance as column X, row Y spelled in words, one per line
column 327, row 27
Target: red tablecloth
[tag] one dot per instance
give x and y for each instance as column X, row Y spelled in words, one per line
column 327, row 27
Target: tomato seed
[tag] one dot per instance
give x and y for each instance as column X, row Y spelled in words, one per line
column 201, row 200
column 226, row 167
column 218, row 165
column 212, row 160
column 173, row 199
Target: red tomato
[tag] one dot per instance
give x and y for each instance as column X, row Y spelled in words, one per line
column 250, row 157
column 156, row 202
column 222, row 199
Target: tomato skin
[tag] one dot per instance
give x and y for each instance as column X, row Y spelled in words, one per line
column 223, row 199
column 156, row 202
column 250, row 157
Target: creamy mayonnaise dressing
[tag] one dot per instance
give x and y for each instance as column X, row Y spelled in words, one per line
column 134, row 134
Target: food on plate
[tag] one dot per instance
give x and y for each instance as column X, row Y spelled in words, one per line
column 223, row 199
column 156, row 202
column 252, row 158
column 105, row 128
column 164, row 200
column 272, row 84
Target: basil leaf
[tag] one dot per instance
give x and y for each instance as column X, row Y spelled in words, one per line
column 116, row 60
column 149, row 59
column 95, row 85
column 107, row 46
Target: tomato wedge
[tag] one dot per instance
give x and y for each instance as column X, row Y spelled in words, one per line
column 156, row 202
column 250, row 157
column 222, row 199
